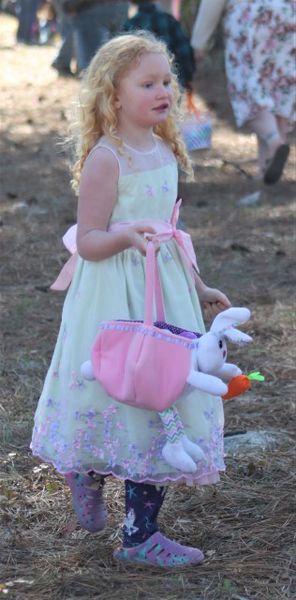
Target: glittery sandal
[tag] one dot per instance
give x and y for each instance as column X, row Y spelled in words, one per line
column 87, row 500
column 275, row 165
column 159, row 551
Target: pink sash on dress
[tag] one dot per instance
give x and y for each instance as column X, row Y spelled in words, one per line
column 165, row 230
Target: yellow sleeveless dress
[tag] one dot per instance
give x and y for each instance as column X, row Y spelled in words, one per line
column 78, row 427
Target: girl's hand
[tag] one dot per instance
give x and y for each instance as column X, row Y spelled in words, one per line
column 213, row 301
column 138, row 237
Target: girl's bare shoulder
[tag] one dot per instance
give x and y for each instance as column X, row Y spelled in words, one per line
column 102, row 160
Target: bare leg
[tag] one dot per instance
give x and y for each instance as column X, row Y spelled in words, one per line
column 283, row 127
column 272, row 150
column 265, row 126
column 261, row 156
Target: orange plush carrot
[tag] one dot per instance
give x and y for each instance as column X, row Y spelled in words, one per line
column 241, row 383
column 236, row 386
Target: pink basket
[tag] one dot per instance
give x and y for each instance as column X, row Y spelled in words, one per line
column 138, row 363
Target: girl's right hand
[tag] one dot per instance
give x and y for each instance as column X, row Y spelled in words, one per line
column 138, row 240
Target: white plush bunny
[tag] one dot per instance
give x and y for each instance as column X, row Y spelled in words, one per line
column 208, row 372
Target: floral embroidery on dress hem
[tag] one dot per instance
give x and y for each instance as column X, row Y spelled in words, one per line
column 209, row 477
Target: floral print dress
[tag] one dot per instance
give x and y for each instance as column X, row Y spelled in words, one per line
column 78, row 427
column 260, row 57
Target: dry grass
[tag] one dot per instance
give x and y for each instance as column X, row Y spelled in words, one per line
column 246, row 523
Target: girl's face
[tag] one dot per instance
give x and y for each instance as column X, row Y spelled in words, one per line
column 144, row 95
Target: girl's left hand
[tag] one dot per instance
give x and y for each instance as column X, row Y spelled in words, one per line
column 213, row 301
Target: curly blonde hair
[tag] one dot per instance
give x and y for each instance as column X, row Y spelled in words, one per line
column 97, row 115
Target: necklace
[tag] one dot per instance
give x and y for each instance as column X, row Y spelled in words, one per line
column 141, row 151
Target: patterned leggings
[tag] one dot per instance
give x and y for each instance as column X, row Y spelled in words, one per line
column 142, row 505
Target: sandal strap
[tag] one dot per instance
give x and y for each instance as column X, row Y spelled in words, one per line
column 160, row 551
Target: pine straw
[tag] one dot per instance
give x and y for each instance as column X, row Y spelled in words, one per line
column 245, row 524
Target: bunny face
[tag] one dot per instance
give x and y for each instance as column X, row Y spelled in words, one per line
column 211, row 353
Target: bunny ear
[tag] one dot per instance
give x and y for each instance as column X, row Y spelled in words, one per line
column 228, row 318
column 236, row 336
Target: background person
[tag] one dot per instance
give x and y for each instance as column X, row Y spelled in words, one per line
column 27, row 18
column 65, row 54
column 260, row 68
column 151, row 18
column 94, row 22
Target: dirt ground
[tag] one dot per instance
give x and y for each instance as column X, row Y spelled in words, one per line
column 246, row 523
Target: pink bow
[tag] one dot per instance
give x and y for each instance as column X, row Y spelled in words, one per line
column 182, row 238
column 165, row 231
column 64, row 278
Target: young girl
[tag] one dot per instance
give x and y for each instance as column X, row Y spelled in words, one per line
column 128, row 153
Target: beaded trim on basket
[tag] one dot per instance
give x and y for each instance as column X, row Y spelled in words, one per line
column 139, row 327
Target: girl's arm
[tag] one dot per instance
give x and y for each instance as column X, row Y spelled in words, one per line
column 212, row 300
column 98, row 192
column 206, row 22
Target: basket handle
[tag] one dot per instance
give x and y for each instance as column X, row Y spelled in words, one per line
column 153, row 289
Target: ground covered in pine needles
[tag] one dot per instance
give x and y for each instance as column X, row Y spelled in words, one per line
column 246, row 523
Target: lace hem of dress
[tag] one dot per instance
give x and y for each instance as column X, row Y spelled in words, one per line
column 206, row 478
